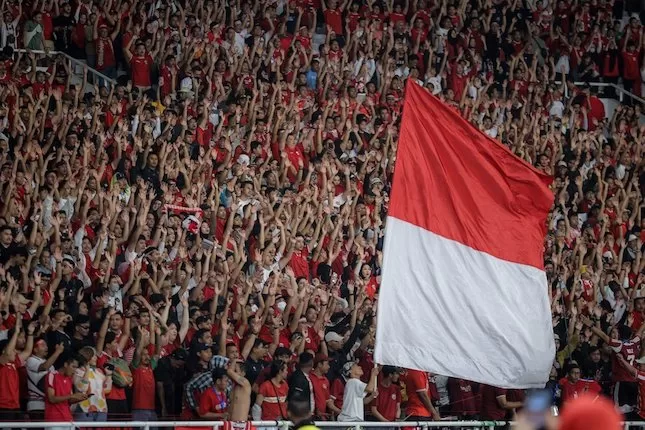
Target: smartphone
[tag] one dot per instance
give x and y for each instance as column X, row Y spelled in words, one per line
column 537, row 405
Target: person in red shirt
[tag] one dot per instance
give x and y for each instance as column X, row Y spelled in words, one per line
column 143, row 382
column 59, row 386
column 104, row 41
column 333, row 16
column 573, row 386
column 639, row 374
column 419, row 406
column 321, row 387
column 271, row 401
column 11, row 362
column 631, row 70
column 213, row 403
column 386, row 406
column 495, row 405
column 140, row 64
column 300, row 258
column 462, row 398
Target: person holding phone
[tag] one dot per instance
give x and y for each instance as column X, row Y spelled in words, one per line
column 60, row 393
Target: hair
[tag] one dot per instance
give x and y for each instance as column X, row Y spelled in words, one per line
column 276, row 367
column 87, row 352
column 299, row 408
column 218, row 373
column 306, row 359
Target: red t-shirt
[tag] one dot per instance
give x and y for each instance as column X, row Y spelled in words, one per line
column 63, row 386
column 274, row 405
column 213, row 401
column 572, row 390
column 630, row 65
column 462, row 397
column 141, row 70
column 416, row 381
column 333, row 18
column 630, row 351
column 321, row 387
column 300, row 264
column 387, row 400
column 491, row 410
column 10, row 385
column 143, row 388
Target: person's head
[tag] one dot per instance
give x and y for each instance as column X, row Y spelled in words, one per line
column 40, row 348
column 259, row 349
column 321, row 364
column 6, row 235
column 232, row 352
column 390, row 373
column 306, row 362
column 594, row 354
column 89, row 355
column 279, row 370
column 178, row 358
column 69, row 366
column 574, row 373
column 220, row 379
column 299, row 408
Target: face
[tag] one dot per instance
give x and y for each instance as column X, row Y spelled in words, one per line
column 69, row 368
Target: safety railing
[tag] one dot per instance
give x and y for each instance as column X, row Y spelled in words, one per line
column 279, row 425
column 620, row 91
column 75, row 61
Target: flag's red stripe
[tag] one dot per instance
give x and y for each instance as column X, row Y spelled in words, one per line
column 455, row 181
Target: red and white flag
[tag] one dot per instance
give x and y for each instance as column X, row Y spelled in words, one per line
column 463, row 291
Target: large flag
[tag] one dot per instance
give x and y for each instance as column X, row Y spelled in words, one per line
column 463, row 291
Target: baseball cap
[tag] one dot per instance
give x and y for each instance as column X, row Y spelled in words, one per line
column 179, row 354
column 632, row 237
column 333, row 336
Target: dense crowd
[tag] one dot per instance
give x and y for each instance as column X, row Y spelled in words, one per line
column 200, row 236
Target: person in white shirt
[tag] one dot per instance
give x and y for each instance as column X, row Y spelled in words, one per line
column 357, row 393
column 38, row 365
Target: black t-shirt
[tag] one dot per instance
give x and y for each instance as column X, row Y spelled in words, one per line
column 253, row 369
column 63, row 26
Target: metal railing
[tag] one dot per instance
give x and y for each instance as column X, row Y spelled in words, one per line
column 622, row 93
column 75, row 61
column 281, row 425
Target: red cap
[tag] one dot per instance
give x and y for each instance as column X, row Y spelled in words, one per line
column 590, row 413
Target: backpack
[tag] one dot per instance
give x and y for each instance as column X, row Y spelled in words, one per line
column 121, row 373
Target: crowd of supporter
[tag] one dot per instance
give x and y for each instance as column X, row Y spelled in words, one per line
column 197, row 232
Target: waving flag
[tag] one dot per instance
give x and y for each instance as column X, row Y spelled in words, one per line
column 464, row 292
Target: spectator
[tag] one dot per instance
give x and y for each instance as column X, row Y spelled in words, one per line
column 357, row 393
column 60, row 396
column 94, row 382
column 38, row 365
column 271, row 401
column 300, row 382
column 419, row 407
column 321, row 388
column 387, row 404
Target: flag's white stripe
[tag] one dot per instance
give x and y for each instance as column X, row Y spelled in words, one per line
column 441, row 302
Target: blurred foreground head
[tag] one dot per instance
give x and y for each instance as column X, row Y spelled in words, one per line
column 590, row 413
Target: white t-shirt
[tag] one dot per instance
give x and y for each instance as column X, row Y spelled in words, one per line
column 353, row 407
column 36, row 397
